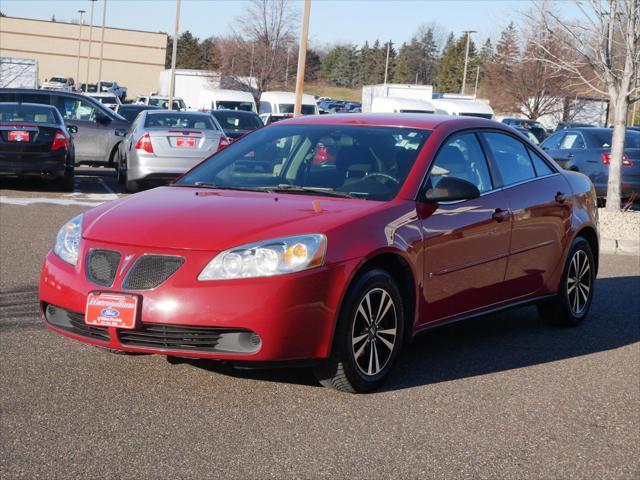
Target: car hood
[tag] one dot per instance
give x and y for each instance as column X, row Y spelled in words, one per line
column 214, row 220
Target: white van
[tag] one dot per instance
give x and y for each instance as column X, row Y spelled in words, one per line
column 401, row 105
column 226, row 99
column 463, row 107
column 283, row 102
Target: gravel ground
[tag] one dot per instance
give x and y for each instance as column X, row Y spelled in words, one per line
column 620, row 226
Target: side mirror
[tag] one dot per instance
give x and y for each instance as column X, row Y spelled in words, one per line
column 102, row 118
column 451, row 189
column 72, row 128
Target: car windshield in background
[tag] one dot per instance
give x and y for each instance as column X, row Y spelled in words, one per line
column 179, row 120
column 58, row 80
column 164, row 103
column 603, row 138
column 20, row 113
column 232, row 121
column 245, row 106
column 129, row 112
column 288, row 108
column 109, row 100
column 357, row 161
column 106, row 84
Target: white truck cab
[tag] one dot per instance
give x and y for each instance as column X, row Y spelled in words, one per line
column 283, row 102
column 401, row 105
column 463, row 107
column 226, row 99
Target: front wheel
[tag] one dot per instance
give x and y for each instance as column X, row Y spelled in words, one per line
column 572, row 302
column 368, row 336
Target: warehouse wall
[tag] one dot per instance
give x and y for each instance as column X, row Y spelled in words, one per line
column 132, row 58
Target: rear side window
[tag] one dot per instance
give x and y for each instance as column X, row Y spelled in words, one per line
column 572, row 141
column 179, row 120
column 511, row 158
column 462, row 157
column 541, row 166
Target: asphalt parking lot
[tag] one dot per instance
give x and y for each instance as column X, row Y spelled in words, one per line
column 503, row 396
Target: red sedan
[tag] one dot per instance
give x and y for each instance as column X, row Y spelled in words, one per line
column 261, row 254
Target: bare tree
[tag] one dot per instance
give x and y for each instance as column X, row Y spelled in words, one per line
column 601, row 52
column 257, row 48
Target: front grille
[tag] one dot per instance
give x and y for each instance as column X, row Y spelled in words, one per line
column 149, row 271
column 102, row 266
column 74, row 322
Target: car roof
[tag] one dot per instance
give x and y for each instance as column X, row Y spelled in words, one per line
column 235, row 112
column 183, row 112
column 412, row 120
column 39, row 105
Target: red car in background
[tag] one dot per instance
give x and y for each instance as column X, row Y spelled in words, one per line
column 261, row 254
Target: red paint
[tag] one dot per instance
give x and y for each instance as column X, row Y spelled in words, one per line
column 465, row 258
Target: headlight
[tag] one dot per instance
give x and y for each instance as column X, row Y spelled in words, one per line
column 268, row 258
column 68, row 240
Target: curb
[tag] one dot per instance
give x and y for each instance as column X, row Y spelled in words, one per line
column 620, row 247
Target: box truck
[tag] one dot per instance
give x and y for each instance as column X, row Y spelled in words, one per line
column 18, row 72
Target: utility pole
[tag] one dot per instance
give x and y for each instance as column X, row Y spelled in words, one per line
column 104, row 20
column 386, row 64
column 475, row 90
column 302, row 58
column 174, row 51
column 466, row 60
column 81, row 12
column 93, row 2
column 286, row 70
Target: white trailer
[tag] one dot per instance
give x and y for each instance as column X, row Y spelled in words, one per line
column 463, row 107
column 189, row 85
column 394, row 90
column 400, row 105
column 226, row 99
column 18, row 72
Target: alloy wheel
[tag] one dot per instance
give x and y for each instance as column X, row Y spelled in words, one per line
column 579, row 282
column 374, row 332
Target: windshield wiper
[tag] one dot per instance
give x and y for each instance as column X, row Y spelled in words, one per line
column 285, row 187
column 223, row 187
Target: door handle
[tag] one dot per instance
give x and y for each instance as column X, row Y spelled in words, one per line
column 500, row 215
column 560, row 197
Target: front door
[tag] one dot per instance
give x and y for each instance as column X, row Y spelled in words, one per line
column 466, row 244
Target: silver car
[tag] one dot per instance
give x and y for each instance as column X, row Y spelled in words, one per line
column 163, row 144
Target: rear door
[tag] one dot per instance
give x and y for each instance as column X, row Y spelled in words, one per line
column 466, row 244
column 91, row 140
column 540, row 201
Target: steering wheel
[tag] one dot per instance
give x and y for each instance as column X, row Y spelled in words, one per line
column 383, row 175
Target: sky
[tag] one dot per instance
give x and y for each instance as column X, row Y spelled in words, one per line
column 331, row 21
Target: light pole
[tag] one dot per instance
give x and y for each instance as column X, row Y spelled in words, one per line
column 286, row 70
column 93, row 2
column 386, row 64
column 81, row 12
column 174, row 52
column 302, row 58
column 466, row 60
column 104, row 19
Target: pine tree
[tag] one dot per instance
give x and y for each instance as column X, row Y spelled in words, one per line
column 451, row 64
column 429, row 67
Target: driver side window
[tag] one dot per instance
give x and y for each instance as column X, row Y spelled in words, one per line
column 462, row 157
column 74, row 109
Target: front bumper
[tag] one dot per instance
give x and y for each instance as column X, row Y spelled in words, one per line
column 287, row 317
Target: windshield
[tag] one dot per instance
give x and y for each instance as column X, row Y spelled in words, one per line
column 288, row 108
column 230, row 105
column 20, row 113
column 58, row 80
column 360, row 161
column 179, row 120
column 178, row 103
column 603, row 138
column 232, row 121
column 109, row 100
column 106, row 84
column 129, row 113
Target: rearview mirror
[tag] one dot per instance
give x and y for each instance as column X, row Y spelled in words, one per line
column 451, row 189
column 72, row 128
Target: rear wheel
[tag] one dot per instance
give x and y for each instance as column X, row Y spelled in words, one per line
column 368, row 336
column 66, row 182
column 131, row 186
column 571, row 304
column 120, row 172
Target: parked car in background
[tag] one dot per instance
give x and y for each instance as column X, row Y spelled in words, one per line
column 284, row 102
column 113, row 87
column 160, row 101
column 59, row 83
column 129, row 111
column 236, row 123
column 259, row 254
column 163, row 144
column 528, row 135
column 107, row 99
column 565, row 125
column 99, row 129
column 226, row 99
column 269, row 118
column 35, row 142
column 353, row 107
column 88, row 88
column 588, row 150
column 536, row 127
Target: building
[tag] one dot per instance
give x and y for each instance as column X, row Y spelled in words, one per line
column 132, row 58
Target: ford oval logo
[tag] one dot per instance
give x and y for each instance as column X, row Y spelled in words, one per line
column 110, row 312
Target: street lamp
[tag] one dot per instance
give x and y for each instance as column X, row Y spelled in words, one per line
column 81, row 12
column 104, row 19
column 174, row 51
column 93, row 2
column 466, row 60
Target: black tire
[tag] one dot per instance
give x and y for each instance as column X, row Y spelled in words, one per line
column 120, row 175
column 345, row 369
column 565, row 308
column 131, row 186
column 66, row 182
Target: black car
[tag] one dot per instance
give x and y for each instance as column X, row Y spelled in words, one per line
column 565, row 125
column 236, row 123
column 131, row 110
column 35, row 142
column 588, row 150
column 535, row 127
column 99, row 129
